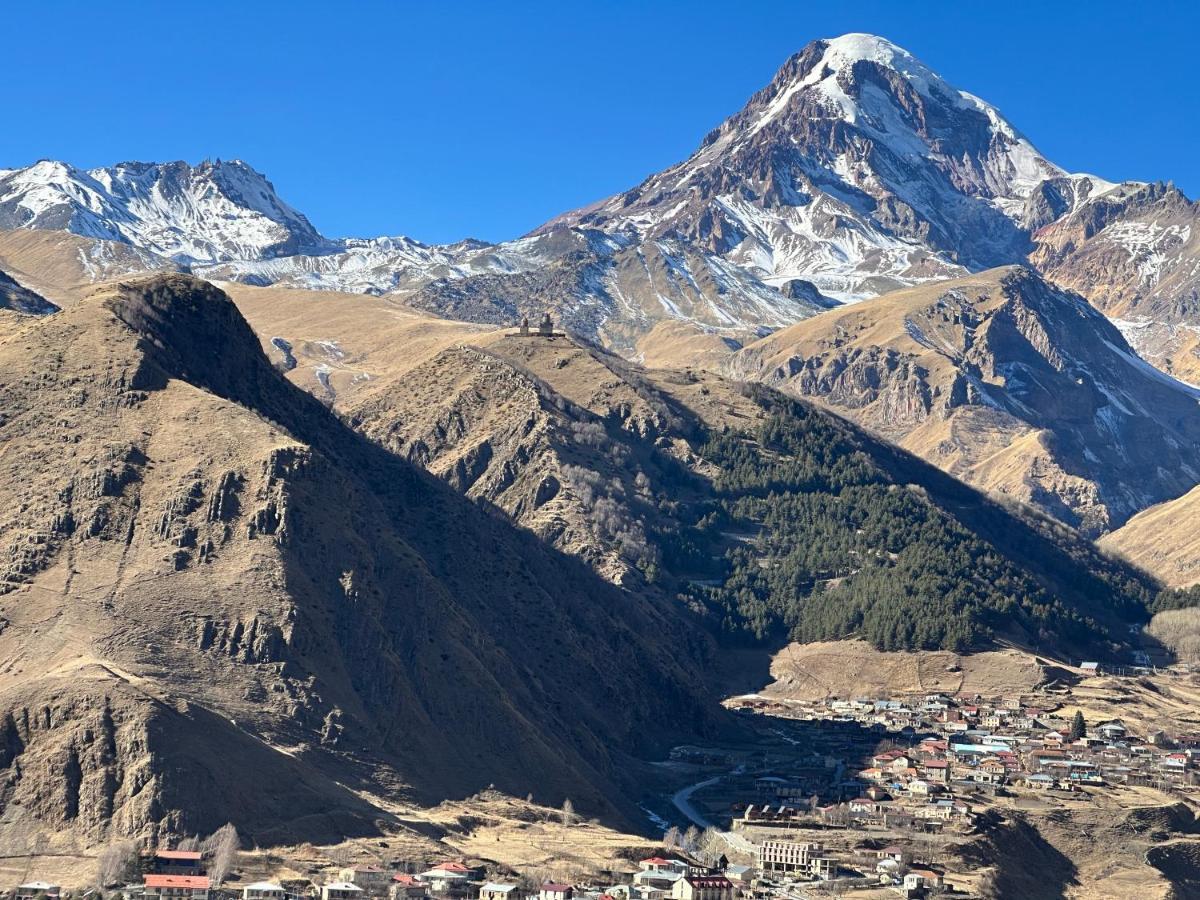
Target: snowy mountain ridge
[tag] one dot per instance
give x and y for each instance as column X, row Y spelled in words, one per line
column 856, row 171
column 211, row 212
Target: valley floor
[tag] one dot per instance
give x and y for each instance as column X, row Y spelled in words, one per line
column 857, row 779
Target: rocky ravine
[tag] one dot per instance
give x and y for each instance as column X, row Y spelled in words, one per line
column 1013, row 385
column 219, row 603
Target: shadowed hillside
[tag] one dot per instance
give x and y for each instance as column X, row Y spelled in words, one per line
column 222, row 604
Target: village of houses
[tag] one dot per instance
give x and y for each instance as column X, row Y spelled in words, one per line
column 850, row 795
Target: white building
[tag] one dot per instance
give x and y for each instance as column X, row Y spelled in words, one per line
column 795, row 858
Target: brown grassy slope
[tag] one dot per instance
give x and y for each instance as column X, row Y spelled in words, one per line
column 848, row 669
column 64, row 267
column 352, row 341
column 547, row 431
column 1164, row 540
column 602, row 458
column 223, row 604
column 1003, row 381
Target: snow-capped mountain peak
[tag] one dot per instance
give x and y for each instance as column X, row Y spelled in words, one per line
column 858, row 169
column 211, row 212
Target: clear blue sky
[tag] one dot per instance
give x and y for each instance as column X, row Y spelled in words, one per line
column 443, row 120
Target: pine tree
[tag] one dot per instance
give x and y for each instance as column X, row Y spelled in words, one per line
column 1078, row 727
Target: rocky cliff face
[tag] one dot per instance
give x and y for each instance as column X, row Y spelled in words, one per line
column 221, row 604
column 1005, row 381
column 1135, row 254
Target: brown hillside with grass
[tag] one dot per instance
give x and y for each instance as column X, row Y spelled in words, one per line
column 219, row 603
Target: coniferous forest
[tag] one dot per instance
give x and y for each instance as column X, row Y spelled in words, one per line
column 822, row 533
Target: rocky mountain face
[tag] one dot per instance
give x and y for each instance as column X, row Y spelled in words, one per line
column 1135, row 254
column 856, row 171
column 219, row 603
column 856, row 168
column 1001, row 379
column 205, row 213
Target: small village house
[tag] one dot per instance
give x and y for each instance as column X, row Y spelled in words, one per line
column 702, row 887
column 264, row 890
column 917, row 881
column 37, row 888
column 175, row 887
column 341, row 890
column 372, row 879
column 448, row 878
column 495, row 890
column 407, row 887
column 553, row 890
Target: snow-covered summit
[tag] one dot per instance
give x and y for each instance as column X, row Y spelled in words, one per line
column 210, row 212
column 858, row 169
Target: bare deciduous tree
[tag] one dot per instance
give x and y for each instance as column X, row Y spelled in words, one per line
column 711, row 844
column 117, row 863
column 1179, row 630
column 568, row 813
column 222, row 847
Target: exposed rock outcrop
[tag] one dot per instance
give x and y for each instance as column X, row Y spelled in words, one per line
column 222, row 604
column 1016, row 386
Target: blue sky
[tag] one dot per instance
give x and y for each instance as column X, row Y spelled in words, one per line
column 442, row 120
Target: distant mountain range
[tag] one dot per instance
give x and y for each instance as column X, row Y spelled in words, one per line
column 856, row 171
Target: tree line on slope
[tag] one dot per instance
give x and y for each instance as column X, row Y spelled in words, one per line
column 821, row 542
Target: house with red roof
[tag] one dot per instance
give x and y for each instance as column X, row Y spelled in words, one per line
column 173, row 862
column 157, row 886
column 407, row 887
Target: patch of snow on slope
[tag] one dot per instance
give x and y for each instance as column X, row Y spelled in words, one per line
column 1145, row 369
